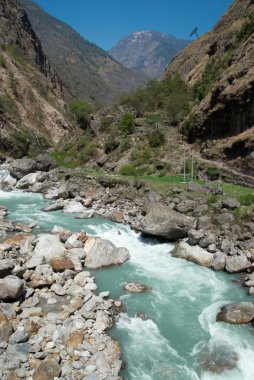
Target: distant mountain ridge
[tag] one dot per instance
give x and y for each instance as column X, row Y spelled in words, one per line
column 85, row 69
column 148, row 51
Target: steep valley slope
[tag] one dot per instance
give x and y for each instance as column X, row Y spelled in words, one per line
column 31, row 98
column 220, row 66
column 88, row 71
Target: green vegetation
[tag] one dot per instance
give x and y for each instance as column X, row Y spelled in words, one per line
column 214, row 173
column 111, row 145
column 129, row 170
column 171, row 98
column 242, row 213
column 127, row 123
column 80, row 112
column 211, row 74
column 15, row 54
column 105, row 123
column 246, row 199
column 2, row 61
column 8, row 107
column 156, row 138
column 125, row 144
column 212, row 199
column 77, row 151
column 247, row 29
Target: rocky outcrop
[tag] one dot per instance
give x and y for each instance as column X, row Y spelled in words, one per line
column 221, row 61
column 162, row 221
column 237, row 313
column 194, row 254
column 32, row 103
column 102, row 253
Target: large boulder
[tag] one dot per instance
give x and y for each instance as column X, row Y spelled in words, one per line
column 6, row 267
column 11, row 287
column 217, row 357
column 102, row 253
column 28, row 180
column 50, row 247
column 236, row 264
column 45, row 162
column 162, row 221
column 230, row 203
column 194, row 254
column 74, row 207
column 7, row 182
column 49, row 369
column 21, row 167
column 237, row 313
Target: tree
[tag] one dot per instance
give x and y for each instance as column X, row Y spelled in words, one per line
column 127, row 123
column 81, row 112
column 194, row 32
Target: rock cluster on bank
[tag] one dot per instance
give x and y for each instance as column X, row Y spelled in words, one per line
column 52, row 322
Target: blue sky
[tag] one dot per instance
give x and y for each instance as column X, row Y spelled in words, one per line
column 104, row 22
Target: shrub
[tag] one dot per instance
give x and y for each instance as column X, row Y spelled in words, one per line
column 81, row 112
column 214, row 173
column 111, row 145
column 128, row 170
column 127, row 123
column 2, row 61
column 247, row 29
column 156, row 138
column 212, row 199
column 125, row 144
column 105, row 122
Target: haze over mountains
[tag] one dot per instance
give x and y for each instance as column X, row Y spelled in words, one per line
column 148, row 51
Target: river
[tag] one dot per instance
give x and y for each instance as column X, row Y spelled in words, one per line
column 181, row 331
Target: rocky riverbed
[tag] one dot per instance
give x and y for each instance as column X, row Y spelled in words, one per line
column 210, row 237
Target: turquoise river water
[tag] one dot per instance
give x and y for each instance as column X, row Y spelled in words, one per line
column 181, row 328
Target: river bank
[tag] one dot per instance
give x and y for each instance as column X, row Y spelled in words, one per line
column 142, row 210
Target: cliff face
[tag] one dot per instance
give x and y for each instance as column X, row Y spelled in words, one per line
column 220, row 65
column 31, row 99
column 148, row 51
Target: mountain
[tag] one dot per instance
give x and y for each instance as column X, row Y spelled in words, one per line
column 148, row 51
column 85, row 69
column 220, row 66
column 31, row 98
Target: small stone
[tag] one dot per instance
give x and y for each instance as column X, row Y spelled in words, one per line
column 135, row 287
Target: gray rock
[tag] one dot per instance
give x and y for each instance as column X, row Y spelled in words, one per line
column 208, row 239
column 102, row 253
column 74, row 207
column 204, row 223
column 45, row 163
column 5, row 328
column 224, row 218
column 135, row 287
column 194, row 236
column 59, row 205
column 219, row 261
column 162, row 221
column 237, row 313
column 236, row 264
column 6, row 267
column 49, row 246
column 194, row 254
column 86, row 214
column 28, row 180
column 194, row 186
column 21, row 167
column 230, row 203
column 186, row 205
column 11, row 287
